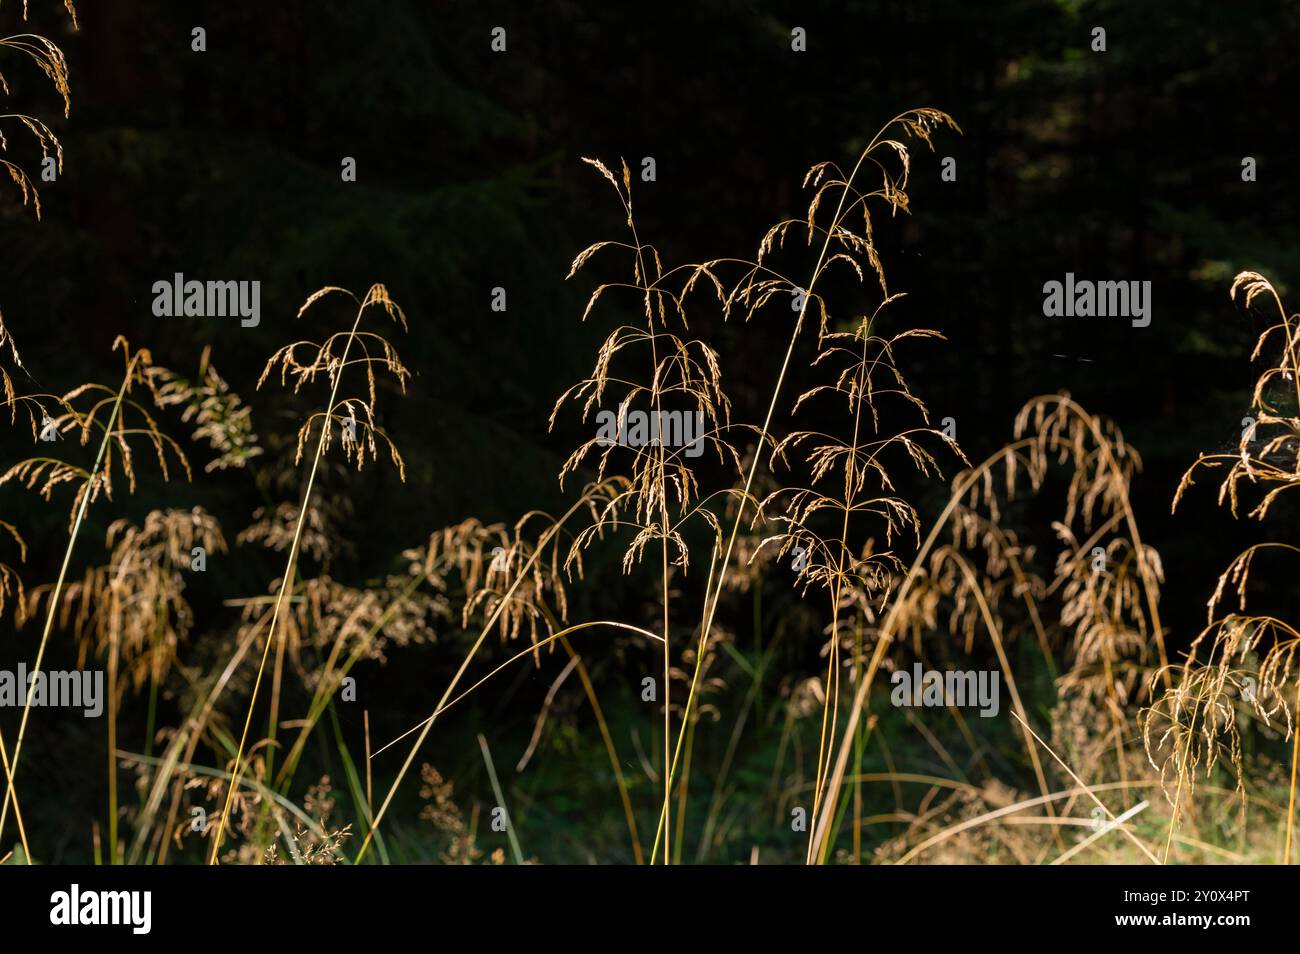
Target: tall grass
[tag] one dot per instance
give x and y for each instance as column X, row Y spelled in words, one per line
column 808, row 523
column 123, row 421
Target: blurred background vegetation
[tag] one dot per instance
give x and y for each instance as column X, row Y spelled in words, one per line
column 225, row 165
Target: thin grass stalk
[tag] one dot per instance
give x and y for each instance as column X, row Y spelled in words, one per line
column 501, row 801
column 18, row 815
column 58, row 586
column 830, row 707
column 658, row 457
column 113, row 700
column 682, row 788
column 286, row 581
column 1295, row 761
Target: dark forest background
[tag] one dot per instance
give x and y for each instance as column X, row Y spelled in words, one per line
column 225, row 165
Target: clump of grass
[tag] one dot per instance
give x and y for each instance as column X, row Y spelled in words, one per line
column 659, row 476
column 887, row 588
column 1112, row 613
